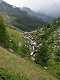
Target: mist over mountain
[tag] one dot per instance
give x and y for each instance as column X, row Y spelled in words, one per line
column 23, row 18
column 48, row 7
column 43, row 16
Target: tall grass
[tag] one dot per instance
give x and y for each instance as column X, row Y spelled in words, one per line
column 5, row 75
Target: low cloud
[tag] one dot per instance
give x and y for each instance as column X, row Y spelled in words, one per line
column 46, row 6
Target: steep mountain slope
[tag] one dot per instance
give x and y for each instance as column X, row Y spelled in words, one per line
column 13, row 63
column 38, row 14
column 16, row 65
column 20, row 18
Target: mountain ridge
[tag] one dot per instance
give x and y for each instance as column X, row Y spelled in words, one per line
column 23, row 18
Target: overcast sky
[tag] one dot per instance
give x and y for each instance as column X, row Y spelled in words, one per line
column 46, row 6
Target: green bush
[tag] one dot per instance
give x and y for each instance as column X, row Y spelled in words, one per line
column 3, row 33
column 42, row 56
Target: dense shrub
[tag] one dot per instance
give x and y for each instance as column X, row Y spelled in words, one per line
column 3, row 33
column 46, row 39
column 42, row 56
